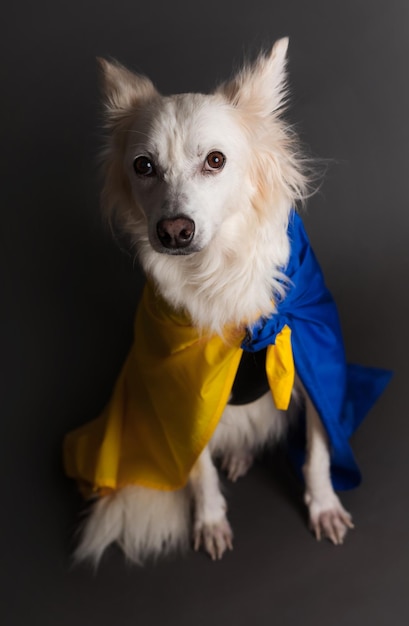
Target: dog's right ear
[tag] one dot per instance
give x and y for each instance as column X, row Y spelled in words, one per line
column 123, row 89
column 261, row 86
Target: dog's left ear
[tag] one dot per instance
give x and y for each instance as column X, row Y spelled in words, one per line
column 260, row 87
column 122, row 89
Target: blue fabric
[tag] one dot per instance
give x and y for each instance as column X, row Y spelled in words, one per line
column 342, row 394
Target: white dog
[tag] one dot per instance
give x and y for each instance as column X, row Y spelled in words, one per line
column 205, row 185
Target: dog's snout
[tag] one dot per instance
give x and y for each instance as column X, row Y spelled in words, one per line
column 176, row 233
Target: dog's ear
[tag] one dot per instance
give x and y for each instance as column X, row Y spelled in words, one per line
column 261, row 86
column 123, row 89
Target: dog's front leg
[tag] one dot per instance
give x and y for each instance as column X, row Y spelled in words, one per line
column 211, row 528
column 328, row 517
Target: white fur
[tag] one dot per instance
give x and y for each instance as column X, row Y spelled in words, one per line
column 228, row 276
column 328, row 517
column 143, row 522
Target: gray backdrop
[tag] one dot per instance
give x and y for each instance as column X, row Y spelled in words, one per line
column 68, row 295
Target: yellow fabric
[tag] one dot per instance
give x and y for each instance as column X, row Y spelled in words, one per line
column 280, row 368
column 166, row 403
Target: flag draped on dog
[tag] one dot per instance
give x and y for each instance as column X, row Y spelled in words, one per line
column 175, row 384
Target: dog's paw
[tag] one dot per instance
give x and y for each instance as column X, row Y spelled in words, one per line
column 237, row 464
column 328, row 518
column 215, row 538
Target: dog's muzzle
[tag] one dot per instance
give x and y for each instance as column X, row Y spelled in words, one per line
column 177, row 233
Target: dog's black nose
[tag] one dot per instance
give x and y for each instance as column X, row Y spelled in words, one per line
column 176, row 233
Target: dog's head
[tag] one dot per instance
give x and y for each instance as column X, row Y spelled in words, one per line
column 178, row 169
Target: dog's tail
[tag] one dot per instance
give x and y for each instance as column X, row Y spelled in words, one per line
column 144, row 522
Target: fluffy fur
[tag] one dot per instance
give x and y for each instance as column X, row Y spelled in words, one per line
column 225, row 275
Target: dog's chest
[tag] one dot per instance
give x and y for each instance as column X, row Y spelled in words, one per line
column 251, row 379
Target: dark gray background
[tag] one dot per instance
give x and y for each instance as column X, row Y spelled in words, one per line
column 68, row 295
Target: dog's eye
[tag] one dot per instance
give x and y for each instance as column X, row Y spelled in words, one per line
column 144, row 166
column 214, row 161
